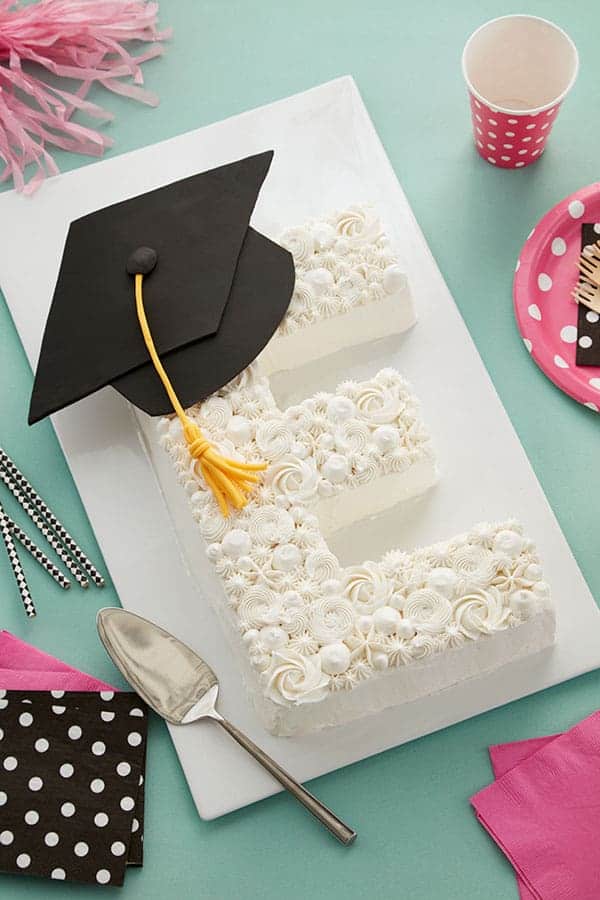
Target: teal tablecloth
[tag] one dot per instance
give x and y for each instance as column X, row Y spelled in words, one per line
column 418, row 838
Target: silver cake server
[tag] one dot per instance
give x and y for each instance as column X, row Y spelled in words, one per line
column 182, row 688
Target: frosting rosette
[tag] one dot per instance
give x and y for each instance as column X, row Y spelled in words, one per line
column 270, row 525
column 331, row 619
column 481, row 612
column 273, row 438
column 358, row 225
column 428, row 610
column 475, row 565
column 300, row 242
column 255, row 608
column 293, row 678
column 295, row 478
column 366, row 587
column 377, row 405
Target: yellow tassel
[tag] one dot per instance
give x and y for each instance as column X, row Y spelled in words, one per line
column 229, row 480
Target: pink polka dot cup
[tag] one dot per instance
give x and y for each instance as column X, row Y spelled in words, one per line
column 518, row 71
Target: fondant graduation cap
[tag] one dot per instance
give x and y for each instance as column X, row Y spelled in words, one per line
column 214, row 291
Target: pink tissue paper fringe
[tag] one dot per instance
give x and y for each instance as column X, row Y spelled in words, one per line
column 76, row 39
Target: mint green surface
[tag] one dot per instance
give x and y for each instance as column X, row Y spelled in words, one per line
column 417, row 836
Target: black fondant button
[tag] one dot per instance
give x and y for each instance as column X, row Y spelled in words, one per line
column 142, row 261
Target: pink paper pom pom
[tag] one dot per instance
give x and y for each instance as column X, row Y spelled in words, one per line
column 76, row 39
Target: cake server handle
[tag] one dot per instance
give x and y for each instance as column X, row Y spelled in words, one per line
column 338, row 829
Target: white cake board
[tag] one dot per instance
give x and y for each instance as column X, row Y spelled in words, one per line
column 327, row 155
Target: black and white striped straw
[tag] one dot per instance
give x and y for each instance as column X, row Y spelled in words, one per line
column 39, row 556
column 37, row 519
column 15, row 563
column 27, row 488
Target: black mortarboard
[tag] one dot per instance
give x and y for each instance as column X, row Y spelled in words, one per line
column 214, row 297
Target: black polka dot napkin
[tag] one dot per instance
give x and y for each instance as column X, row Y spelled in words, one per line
column 71, row 784
column 588, row 322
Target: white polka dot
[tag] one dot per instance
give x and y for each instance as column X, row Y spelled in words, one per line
column 551, row 111
column 545, row 125
column 6, row 838
column 58, row 874
column 57, row 694
column 32, row 817
column 525, row 140
column 102, row 876
column 585, row 342
column 528, row 344
column 136, row 711
column 518, row 265
column 3, row 693
column 51, row 839
column 597, row 227
column 97, row 786
column 576, row 209
column 81, row 848
column 123, row 768
column 101, row 819
column 568, row 334
column 505, row 158
column 66, row 770
column 592, row 317
column 530, row 126
column 106, row 715
column 107, row 695
column 519, row 164
column 522, row 152
column 595, row 383
column 1, row 734
column 477, row 104
column 10, row 763
column 74, row 732
column 512, row 121
column 478, row 117
column 491, row 160
column 23, row 860
column 59, row 710
column 35, row 783
column 141, row 780
column 3, row 797
column 98, row 748
column 509, row 133
column 3, row 704
column 540, row 140
column 127, row 803
column 134, row 826
column 508, row 146
column 544, row 281
column 68, row 810
column 25, row 719
column 535, row 312
column 558, row 246
column 134, row 739
column 591, row 406
column 478, row 129
column 560, row 362
column 118, row 848
column 492, row 121
column 535, row 152
column 480, row 145
column 492, row 134
column 41, row 745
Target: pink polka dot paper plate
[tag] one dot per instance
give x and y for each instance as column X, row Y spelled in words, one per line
column 545, row 276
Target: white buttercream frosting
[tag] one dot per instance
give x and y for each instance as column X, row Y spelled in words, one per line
column 342, row 262
column 310, row 625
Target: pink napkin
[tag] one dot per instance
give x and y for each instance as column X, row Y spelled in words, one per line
column 544, row 812
column 23, row 667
